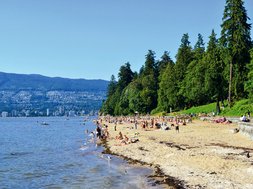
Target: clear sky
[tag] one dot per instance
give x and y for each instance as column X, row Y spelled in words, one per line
column 91, row 39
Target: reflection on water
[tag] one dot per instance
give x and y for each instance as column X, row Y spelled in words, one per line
column 61, row 154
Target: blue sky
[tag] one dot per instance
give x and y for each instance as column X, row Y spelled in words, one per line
column 91, row 39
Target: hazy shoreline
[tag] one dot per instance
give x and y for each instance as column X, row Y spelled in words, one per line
column 202, row 155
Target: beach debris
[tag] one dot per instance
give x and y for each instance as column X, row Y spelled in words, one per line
column 151, row 138
column 142, row 149
column 234, row 131
column 212, row 173
column 247, row 155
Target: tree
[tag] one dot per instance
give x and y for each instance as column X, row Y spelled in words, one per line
column 167, row 93
column 108, row 106
column 193, row 87
column 199, row 47
column 235, row 38
column 111, row 86
column 249, row 83
column 149, row 83
column 184, row 57
column 165, row 60
column 214, row 77
column 125, row 76
column 117, row 104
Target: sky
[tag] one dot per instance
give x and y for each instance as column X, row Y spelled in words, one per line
column 91, row 39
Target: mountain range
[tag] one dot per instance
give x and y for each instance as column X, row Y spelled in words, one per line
column 10, row 81
column 37, row 95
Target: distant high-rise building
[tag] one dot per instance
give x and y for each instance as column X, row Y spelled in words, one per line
column 14, row 113
column 4, row 114
column 48, row 112
column 72, row 113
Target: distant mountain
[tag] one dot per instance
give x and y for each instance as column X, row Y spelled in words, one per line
column 34, row 95
column 10, row 81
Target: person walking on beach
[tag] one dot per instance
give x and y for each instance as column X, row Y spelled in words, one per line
column 177, row 128
column 99, row 132
column 135, row 124
column 115, row 125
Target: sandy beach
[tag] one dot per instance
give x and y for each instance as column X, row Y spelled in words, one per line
column 201, row 155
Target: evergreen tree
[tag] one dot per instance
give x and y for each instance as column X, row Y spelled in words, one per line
column 235, row 38
column 162, row 64
column 125, row 76
column 134, row 96
column 149, row 83
column 193, row 87
column 108, row 106
column 249, row 83
column 214, row 77
column 199, row 47
column 111, row 86
column 167, row 93
column 184, row 57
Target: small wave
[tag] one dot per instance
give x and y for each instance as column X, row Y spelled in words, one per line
column 16, row 155
column 83, row 148
column 35, row 175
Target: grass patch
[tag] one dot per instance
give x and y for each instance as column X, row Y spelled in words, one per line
column 238, row 109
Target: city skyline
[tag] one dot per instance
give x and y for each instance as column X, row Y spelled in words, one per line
column 92, row 39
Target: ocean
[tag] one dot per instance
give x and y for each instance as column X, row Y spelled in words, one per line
column 59, row 152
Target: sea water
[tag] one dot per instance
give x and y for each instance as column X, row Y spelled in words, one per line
column 60, row 152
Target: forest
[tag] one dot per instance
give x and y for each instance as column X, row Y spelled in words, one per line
column 221, row 70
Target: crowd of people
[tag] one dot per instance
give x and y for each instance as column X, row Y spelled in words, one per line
column 137, row 122
column 145, row 123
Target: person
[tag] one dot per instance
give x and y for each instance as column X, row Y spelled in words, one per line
column 99, row 132
column 115, row 125
column 177, row 128
column 244, row 119
column 248, row 113
column 120, row 136
column 106, row 132
column 135, row 124
column 125, row 140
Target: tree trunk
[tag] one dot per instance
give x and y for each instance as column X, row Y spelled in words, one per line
column 218, row 106
column 230, row 83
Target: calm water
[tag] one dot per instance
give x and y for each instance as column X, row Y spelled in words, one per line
column 60, row 155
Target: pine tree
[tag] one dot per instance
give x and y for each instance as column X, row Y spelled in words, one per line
column 235, row 38
column 165, row 60
column 192, row 87
column 214, row 77
column 167, row 93
column 108, row 106
column 149, row 83
column 184, row 57
column 249, row 83
column 125, row 76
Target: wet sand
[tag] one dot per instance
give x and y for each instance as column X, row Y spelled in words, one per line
column 201, row 155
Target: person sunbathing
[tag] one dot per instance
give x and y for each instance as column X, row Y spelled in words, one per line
column 119, row 137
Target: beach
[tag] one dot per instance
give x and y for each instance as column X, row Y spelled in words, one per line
column 201, row 155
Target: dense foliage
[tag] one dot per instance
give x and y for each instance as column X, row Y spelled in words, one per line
column 199, row 75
